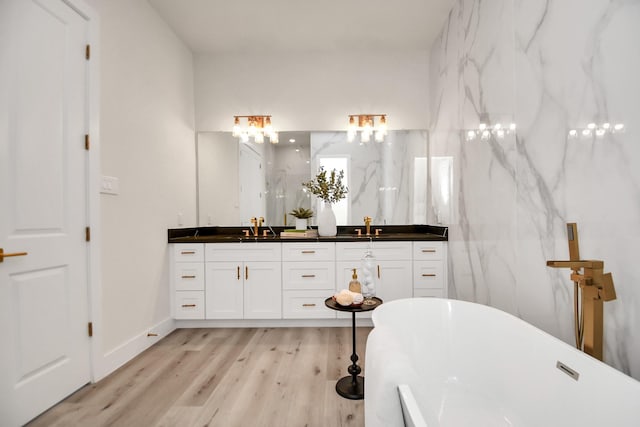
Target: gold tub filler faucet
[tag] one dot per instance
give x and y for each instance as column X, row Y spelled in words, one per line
column 591, row 288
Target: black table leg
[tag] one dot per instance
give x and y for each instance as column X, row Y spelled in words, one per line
column 352, row 387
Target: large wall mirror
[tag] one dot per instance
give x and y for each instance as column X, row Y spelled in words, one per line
column 236, row 181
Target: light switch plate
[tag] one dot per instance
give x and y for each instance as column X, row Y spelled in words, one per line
column 110, row 185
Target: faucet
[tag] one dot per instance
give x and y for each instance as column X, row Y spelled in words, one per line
column 367, row 224
column 595, row 287
column 257, row 223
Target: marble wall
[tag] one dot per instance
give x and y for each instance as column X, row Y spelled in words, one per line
column 549, row 67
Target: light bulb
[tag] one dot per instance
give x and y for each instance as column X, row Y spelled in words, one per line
column 471, row 135
column 512, row 126
column 586, row 132
column 618, row 126
column 351, row 135
column 382, row 127
column 485, row 134
column 606, row 126
column 236, row 127
column 274, row 138
column 573, row 133
column 268, row 128
column 367, row 127
column 244, row 137
column 379, row 136
column 365, row 136
column 591, row 126
column 252, row 128
column 500, row 133
column 259, row 138
column 482, row 126
column 600, row 132
column 352, row 125
column 497, row 126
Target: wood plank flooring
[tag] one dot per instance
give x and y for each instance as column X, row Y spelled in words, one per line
column 224, row 377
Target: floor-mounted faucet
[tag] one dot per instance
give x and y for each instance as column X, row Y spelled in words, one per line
column 595, row 286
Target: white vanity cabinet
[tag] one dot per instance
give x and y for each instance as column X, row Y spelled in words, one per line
column 243, row 281
column 187, row 278
column 429, row 269
column 393, row 267
column 308, row 278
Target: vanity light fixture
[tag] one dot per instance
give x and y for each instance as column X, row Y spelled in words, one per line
column 366, row 124
column 596, row 130
column 257, row 127
column 484, row 131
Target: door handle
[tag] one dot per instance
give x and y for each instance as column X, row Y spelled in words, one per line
column 7, row 255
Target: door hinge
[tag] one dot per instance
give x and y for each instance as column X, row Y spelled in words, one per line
column 90, row 329
column 87, row 52
column 87, row 143
column 87, row 234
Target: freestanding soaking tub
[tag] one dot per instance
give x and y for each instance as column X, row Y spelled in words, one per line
column 463, row 364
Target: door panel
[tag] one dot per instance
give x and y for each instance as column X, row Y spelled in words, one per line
column 43, row 295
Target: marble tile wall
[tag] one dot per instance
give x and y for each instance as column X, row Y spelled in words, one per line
column 549, row 66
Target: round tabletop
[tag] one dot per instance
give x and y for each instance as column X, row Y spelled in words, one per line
column 332, row 304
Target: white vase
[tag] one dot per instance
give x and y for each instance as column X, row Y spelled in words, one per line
column 301, row 223
column 327, row 221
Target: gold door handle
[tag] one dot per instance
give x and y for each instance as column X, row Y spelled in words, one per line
column 7, row 255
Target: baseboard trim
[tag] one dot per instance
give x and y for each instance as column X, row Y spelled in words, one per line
column 114, row 359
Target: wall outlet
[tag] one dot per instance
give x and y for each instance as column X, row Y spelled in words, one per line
column 110, row 185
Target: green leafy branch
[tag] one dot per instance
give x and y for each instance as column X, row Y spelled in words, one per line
column 328, row 188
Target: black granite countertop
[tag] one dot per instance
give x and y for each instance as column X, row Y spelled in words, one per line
column 345, row 234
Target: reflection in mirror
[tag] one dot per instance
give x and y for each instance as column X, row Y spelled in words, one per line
column 236, row 181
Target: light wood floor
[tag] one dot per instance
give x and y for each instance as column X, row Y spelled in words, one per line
column 224, row 377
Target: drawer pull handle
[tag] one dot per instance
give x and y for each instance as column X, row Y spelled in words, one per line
column 308, row 252
column 188, row 305
column 187, row 252
column 188, row 277
column 246, row 273
column 431, row 251
column 378, row 271
column 238, row 272
column 308, row 305
column 308, row 275
column 428, row 275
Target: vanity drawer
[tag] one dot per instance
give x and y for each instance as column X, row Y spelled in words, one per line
column 189, row 276
column 246, row 251
column 309, row 275
column 189, row 305
column 428, row 275
column 306, row 305
column 428, row 250
column 354, row 251
column 308, row 251
column 188, row 252
column 429, row 293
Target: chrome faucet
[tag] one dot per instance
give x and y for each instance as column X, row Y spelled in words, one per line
column 367, row 224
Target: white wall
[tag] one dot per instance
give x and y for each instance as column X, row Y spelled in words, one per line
column 312, row 91
column 147, row 141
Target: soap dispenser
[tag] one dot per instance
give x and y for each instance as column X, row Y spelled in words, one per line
column 354, row 284
column 368, row 273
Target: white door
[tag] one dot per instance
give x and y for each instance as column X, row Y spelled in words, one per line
column 44, row 354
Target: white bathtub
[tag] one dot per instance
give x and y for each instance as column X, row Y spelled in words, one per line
column 468, row 364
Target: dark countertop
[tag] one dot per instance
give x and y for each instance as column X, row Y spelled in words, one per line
column 345, row 234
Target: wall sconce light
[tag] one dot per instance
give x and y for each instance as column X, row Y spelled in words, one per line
column 485, row 131
column 366, row 124
column 257, row 127
column 595, row 130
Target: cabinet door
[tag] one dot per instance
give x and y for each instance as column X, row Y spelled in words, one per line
column 224, row 290
column 395, row 280
column 262, row 290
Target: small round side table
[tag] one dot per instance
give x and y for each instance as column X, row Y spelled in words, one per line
column 352, row 387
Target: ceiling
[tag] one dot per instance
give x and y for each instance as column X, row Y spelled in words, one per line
column 245, row 26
